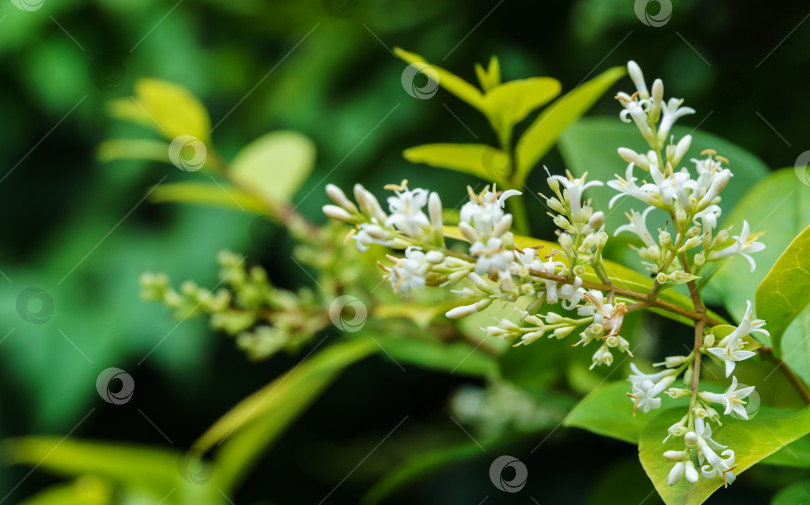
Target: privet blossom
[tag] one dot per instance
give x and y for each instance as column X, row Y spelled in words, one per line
column 565, row 290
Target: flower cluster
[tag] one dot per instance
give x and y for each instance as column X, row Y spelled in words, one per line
column 571, row 274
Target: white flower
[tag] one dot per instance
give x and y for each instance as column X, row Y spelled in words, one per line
column 627, row 186
column 743, row 245
column 550, row 267
column 406, row 210
column 572, row 293
column 639, row 376
column 638, row 226
column 731, row 356
column 645, row 393
column 492, row 257
column 372, row 233
column 484, row 213
column 730, row 348
column 671, row 113
column 731, row 399
column 409, row 272
column 572, row 193
column 717, row 466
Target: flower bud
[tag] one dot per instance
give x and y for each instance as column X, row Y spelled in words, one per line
column 579, row 270
column 681, row 149
column 339, row 197
column 435, row 210
column 690, row 439
column 657, row 98
column 638, row 79
column 596, row 220
column 661, row 278
column 675, row 455
column 561, row 333
column 708, row 340
column 337, row 213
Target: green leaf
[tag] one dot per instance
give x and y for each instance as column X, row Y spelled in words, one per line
column 543, row 133
column 457, row 358
column 751, row 440
column 490, row 77
column 213, row 195
column 794, row 494
column 169, row 109
column 452, row 83
column 274, row 166
column 133, row 149
column 84, row 491
column 785, row 291
column 590, row 146
column 795, row 455
column 255, row 422
column 509, row 103
column 152, row 468
column 608, row 411
column 480, row 160
column 779, row 205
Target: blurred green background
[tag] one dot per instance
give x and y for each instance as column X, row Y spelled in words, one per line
column 80, row 232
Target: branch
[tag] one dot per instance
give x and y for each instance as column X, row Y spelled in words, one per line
column 633, row 295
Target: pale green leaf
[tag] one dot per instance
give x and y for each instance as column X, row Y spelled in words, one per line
column 452, row 83
column 543, row 133
column 254, row 423
column 133, row 149
column 152, row 468
column 795, row 455
column 797, row 493
column 608, row 411
column 169, row 109
column 508, row 104
column 490, row 77
column 751, row 440
column 274, row 166
column 785, row 291
column 223, row 195
column 480, row 160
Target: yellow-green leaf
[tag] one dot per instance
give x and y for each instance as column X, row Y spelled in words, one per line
column 274, row 166
column 480, row 160
column 254, row 423
column 202, row 193
column 169, row 109
column 785, row 291
column 509, row 103
column 452, row 83
column 133, row 149
column 83, row 491
column 490, row 77
column 751, row 440
column 543, row 133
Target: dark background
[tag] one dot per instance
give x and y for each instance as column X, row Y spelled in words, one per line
column 741, row 65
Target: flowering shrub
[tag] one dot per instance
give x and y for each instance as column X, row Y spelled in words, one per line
column 480, row 260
